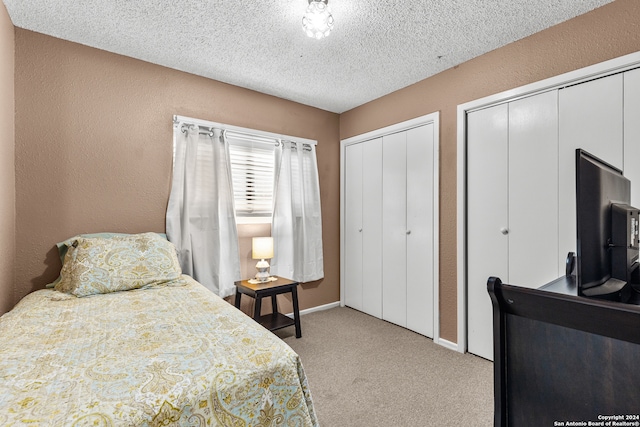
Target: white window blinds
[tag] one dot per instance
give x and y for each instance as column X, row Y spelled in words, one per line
column 252, row 169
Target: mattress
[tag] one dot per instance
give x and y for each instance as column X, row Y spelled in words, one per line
column 173, row 355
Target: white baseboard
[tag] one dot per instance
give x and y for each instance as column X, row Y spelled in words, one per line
column 448, row 344
column 318, row 308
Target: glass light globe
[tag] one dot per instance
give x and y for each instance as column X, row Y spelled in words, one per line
column 317, row 21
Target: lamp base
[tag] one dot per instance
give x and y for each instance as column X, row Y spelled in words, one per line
column 262, row 276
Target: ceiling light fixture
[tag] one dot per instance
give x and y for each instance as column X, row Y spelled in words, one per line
column 317, row 21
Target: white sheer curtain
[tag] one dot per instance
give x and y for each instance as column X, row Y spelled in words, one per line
column 200, row 215
column 297, row 220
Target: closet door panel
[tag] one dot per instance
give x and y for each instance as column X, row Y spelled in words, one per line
column 632, row 133
column 420, row 222
column 372, row 227
column 353, row 226
column 394, row 229
column 533, row 190
column 487, row 220
column 590, row 117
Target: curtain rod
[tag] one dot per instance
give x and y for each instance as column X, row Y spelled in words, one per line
column 244, row 136
column 206, row 130
column 261, row 136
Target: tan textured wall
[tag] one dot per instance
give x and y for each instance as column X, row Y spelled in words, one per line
column 93, row 136
column 7, row 156
column 605, row 33
column 94, row 146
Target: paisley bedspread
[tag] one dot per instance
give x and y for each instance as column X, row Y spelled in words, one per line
column 169, row 356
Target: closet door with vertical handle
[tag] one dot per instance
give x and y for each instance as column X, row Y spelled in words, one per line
column 487, row 220
column 353, row 227
column 420, row 223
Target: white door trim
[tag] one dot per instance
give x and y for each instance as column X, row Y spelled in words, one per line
column 602, row 69
column 433, row 118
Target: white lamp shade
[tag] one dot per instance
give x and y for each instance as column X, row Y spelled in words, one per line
column 262, row 248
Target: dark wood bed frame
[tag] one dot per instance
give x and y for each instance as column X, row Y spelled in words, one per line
column 561, row 358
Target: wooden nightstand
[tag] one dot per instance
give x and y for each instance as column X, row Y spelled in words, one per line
column 275, row 320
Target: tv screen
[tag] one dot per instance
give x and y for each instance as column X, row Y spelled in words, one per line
column 598, row 186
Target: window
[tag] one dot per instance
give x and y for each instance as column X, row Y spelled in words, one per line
column 252, row 156
column 252, row 170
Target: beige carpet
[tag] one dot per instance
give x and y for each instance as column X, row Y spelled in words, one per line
column 367, row 372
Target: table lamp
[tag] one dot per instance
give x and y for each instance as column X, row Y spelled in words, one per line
column 262, row 249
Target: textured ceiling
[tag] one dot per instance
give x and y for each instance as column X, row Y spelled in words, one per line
column 375, row 48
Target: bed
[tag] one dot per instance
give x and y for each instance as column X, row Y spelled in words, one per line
column 158, row 353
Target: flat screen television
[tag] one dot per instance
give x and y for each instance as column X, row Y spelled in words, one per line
column 607, row 230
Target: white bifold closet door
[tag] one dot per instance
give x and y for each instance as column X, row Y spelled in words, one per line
column 487, row 219
column 394, row 228
column 389, row 229
column 420, row 224
column 512, row 204
column 533, row 191
column 521, row 203
column 591, row 118
column 371, row 225
column 407, row 229
column 632, row 133
column 353, row 226
column 363, row 224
